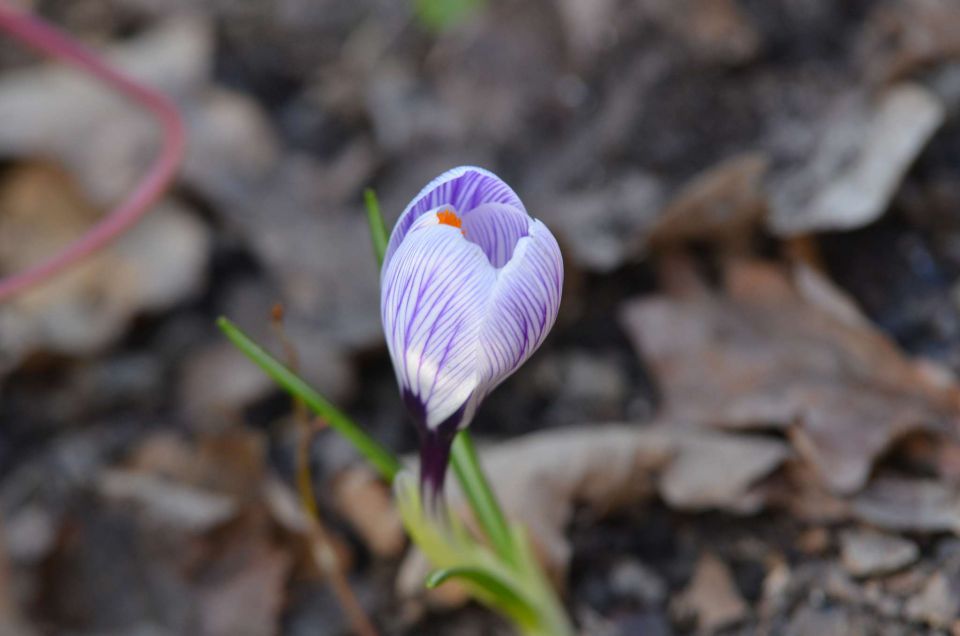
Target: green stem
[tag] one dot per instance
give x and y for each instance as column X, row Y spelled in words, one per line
column 378, row 231
column 381, row 458
column 482, row 500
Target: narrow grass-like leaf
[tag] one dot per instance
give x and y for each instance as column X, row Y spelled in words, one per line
column 482, row 499
column 381, row 458
column 508, row 598
column 440, row 15
column 378, row 229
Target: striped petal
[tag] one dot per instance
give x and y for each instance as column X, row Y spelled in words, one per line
column 496, row 228
column 462, row 188
column 522, row 307
column 470, row 286
column 432, row 299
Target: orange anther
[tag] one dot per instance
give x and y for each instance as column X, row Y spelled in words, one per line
column 448, row 217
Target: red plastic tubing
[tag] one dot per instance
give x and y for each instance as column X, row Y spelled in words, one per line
column 50, row 41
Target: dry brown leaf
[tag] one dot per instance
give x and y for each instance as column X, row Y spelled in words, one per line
column 6, row 602
column 285, row 508
column 828, row 621
column 901, row 504
column 10, row 621
column 183, row 525
column 240, row 530
column 936, row 604
column 103, row 139
column 912, row 35
column 208, row 404
column 309, row 548
column 721, row 204
column 165, row 454
column 540, row 478
column 864, row 152
column 29, row 534
column 712, row 596
column 765, row 356
column 802, row 493
column 167, row 504
column 715, row 31
column 197, row 488
column 814, row 541
column 587, row 25
column 931, row 455
column 230, row 462
column 905, row 583
column 248, row 598
column 599, row 227
column 718, row 471
column 365, row 502
column 160, row 262
column 235, row 161
column 815, row 288
column 871, row 553
column 607, row 467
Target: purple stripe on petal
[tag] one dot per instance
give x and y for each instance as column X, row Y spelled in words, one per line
column 432, row 309
column 462, row 309
column 463, row 189
column 496, row 228
column 523, row 305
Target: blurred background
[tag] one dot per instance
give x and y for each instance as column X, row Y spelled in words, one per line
column 744, row 422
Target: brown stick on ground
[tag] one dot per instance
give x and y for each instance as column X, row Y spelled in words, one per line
column 323, row 551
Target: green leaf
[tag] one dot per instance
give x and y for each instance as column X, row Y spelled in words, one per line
column 482, row 499
column 381, row 458
column 518, row 589
column 378, row 230
column 501, row 592
column 440, row 15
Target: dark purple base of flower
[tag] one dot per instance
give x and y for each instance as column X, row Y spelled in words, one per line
column 435, row 446
column 434, row 458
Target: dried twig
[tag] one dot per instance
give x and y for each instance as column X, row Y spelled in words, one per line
column 323, row 551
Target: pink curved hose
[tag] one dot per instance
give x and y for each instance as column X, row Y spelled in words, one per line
column 50, row 41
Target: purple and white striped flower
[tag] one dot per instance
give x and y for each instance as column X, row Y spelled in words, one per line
column 469, row 288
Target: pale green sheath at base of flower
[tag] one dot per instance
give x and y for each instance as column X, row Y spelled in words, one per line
column 514, row 587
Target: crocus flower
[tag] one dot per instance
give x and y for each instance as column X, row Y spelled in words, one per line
column 469, row 288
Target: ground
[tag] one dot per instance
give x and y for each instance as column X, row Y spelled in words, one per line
column 753, row 374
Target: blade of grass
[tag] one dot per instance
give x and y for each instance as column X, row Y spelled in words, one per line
column 441, row 15
column 506, row 597
column 482, row 500
column 378, row 230
column 381, row 458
